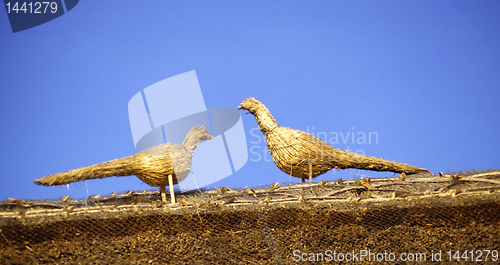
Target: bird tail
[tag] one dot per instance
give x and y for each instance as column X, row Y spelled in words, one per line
column 344, row 159
column 118, row 167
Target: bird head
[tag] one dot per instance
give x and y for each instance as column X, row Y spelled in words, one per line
column 250, row 104
column 201, row 133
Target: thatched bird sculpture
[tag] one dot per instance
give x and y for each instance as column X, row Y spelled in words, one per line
column 160, row 166
column 302, row 155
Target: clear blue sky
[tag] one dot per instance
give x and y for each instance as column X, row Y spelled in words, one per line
column 423, row 75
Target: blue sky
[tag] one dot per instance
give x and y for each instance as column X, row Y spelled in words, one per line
column 423, row 75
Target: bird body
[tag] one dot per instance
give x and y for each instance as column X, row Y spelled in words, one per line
column 302, row 155
column 154, row 165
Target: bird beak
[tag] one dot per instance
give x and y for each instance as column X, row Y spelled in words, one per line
column 240, row 107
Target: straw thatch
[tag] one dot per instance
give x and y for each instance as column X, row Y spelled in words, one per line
column 417, row 214
column 153, row 165
column 302, row 155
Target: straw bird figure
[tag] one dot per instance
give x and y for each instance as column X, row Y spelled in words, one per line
column 302, row 155
column 155, row 166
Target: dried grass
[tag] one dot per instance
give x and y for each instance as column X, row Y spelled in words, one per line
column 153, row 165
column 418, row 213
column 302, row 155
